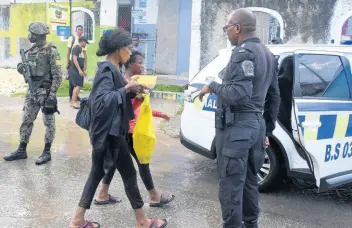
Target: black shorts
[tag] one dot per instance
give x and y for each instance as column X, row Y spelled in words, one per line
column 75, row 78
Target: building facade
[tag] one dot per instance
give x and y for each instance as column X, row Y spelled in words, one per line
column 163, row 27
column 94, row 16
column 178, row 37
column 295, row 21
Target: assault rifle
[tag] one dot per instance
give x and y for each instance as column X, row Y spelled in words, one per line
column 26, row 71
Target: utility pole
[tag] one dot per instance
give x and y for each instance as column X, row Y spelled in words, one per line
column 70, row 3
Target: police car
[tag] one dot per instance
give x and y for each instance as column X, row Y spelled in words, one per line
column 313, row 135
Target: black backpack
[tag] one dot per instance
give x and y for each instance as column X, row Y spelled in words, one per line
column 83, row 114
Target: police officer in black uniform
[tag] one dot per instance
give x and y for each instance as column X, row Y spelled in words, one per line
column 242, row 120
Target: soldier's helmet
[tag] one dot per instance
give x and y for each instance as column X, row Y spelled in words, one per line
column 39, row 28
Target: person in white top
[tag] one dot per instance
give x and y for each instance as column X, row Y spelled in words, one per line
column 72, row 42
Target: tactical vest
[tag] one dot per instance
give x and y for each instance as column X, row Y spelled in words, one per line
column 39, row 62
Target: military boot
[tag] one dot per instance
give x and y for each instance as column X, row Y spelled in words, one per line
column 44, row 158
column 20, row 153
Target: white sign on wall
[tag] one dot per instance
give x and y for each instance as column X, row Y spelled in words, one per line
column 150, row 8
column 140, row 16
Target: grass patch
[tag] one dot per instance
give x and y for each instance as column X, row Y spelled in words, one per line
column 62, row 91
column 169, row 88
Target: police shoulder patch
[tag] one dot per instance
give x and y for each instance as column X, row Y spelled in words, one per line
column 248, row 68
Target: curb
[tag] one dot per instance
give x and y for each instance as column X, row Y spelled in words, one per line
column 167, row 95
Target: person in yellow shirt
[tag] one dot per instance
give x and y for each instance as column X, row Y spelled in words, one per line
column 72, row 42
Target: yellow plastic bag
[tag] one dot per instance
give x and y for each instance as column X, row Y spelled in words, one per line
column 144, row 133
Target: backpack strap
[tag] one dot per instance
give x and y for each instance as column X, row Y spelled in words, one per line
column 73, row 41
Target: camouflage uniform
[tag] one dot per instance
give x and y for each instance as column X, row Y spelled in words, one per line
column 46, row 76
column 34, row 102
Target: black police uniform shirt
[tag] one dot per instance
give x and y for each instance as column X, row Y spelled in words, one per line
column 249, row 80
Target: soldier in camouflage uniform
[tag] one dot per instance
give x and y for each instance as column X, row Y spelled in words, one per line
column 46, row 76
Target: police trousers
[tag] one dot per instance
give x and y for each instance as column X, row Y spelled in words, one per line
column 240, row 155
column 122, row 161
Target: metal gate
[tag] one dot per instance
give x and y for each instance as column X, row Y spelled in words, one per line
column 146, row 36
column 124, row 17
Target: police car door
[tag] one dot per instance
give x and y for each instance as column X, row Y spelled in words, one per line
column 323, row 115
column 199, row 116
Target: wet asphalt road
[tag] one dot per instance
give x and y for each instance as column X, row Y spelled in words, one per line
column 46, row 196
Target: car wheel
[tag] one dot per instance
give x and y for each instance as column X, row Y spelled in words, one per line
column 269, row 175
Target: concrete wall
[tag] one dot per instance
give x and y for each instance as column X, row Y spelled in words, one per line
column 194, row 61
column 167, row 33
column 312, row 21
column 184, row 37
column 108, row 12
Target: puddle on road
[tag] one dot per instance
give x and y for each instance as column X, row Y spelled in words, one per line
column 169, row 160
column 69, row 139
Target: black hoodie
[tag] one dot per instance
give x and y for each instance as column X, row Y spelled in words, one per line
column 110, row 106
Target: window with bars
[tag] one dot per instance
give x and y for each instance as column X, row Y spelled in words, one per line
column 4, row 18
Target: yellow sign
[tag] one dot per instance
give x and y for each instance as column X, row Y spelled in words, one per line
column 57, row 14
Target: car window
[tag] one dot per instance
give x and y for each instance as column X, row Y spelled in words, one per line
column 338, row 89
column 349, row 57
column 317, row 72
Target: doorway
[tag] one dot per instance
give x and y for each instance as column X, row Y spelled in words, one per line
column 346, row 32
column 270, row 24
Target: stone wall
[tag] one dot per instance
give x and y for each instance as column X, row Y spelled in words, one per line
column 306, row 21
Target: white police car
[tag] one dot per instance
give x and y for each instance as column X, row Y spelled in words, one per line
column 313, row 135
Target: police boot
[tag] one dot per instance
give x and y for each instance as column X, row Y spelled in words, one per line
column 17, row 155
column 44, row 158
column 20, row 153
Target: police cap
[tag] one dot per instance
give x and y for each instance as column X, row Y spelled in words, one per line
column 38, row 28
